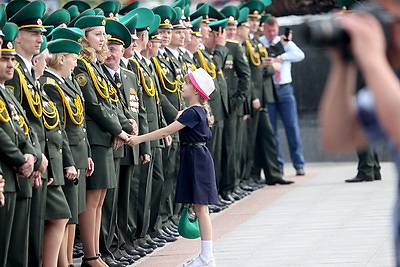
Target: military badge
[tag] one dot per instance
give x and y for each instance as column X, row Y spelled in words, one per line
column 81, row 79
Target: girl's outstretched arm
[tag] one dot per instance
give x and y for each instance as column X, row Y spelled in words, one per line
column 158, row 134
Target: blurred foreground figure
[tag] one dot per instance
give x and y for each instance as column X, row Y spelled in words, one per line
column 374, row 114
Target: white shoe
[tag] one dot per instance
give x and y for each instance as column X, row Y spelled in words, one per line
column 200, row 261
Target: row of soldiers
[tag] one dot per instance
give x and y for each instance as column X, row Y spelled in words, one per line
column 76, row 83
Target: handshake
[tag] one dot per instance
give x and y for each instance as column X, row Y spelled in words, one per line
column 124, row 138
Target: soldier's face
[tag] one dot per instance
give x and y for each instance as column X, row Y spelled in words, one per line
column 254, row 23
column 153, row 47
column 28, row 43
column 271, row 31
column 231, row 31
column 243, row 32
column 115, row 52
column 166, row 36
column 6, row 68
column 205, row 31
column 177, row 38
column 96, row 37
column 188, row 35
column 39, row 63
column 69, row 64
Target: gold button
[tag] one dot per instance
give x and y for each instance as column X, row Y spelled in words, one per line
column 60, row 150
column 84, row 129
column 59, row 131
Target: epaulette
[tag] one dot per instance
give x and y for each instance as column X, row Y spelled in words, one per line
column 50, row 81
column 232, row 41
column 127, row 70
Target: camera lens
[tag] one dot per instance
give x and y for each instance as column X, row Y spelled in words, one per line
column 325, row 33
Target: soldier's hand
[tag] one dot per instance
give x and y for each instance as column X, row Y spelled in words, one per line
column 168, row 140
column 44, row 164
column 36, row 179
column 133, row 140
column 267, row 61
column 123, row 135
column 145, row 158
column 90, row 168
column 2, row 185
column 118, row 142
column 71, row 173
column 26, row 169
column 221, row 37
column 135, row 128
column 256, row 104
column 50, row 181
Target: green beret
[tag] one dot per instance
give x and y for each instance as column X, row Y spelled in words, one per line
column 10, row 31
column 64, row 46
column 144, row 20
column 201, row 11
column 15, row 6
column 70, row 33
column 167, row 14
column 179, row 3
column 89, row 12
column 216, row 25
column 196, row 24
column 110, row 8
column 178, row 23
column 81, row 5
column 256, row 8
column 73, row 12
column 129, row 7
column 98, row 11
column 153, row 31
column 29, row 17
column 242, row 19
column 117, row 32
column 90, row 21
column 131, row 25
column 2, row 20
column 231, row 12
column 58, row 17
column 214, row 14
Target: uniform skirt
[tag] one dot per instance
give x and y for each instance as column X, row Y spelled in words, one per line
column 75, row 197
column 103, row 176
column 56, row 204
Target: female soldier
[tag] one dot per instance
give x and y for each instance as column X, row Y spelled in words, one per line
column 69, row 102
column 103, row 129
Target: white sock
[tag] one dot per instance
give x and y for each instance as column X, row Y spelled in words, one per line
column 207, row 249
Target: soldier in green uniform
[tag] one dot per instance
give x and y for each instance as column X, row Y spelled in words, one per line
column 137, row 21
column 17, row 152
column 70, row 105
column 237, row 75
column 192, row 46
column 61, row 163
column 26, row 91
column 126, row 83
column 103, row 128
column 368, row 168
column 170, row 78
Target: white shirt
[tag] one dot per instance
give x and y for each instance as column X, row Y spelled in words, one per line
column 139, row 55
column 125, row 60
column 174, row 52
column 291, row 55
column 112, row 72
column 28, row 63
column 61, row 80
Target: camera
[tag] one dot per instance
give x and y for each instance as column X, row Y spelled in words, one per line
column 327, row 32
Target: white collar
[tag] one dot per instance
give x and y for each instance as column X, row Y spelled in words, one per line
column 138, row 54
column 174, row 52
column 61, row 80
column 125, row 60
column 112, row 72
column 28, row 63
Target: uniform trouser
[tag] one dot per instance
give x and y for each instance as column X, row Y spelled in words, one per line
column 155, row 224
column 18, row 249
column 6, row 223
column 215, row 147
column 36, row 225
column 228, row 169
column 124, row 205
column 251, row 134
column 171, row 158
column 368, row 164
column 109, row 217
column 133, row 208
column 265, row 155
column 144, row 199
column 286, row 107
column 240, row 147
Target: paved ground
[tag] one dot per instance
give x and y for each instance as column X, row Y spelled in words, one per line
column 318, row 221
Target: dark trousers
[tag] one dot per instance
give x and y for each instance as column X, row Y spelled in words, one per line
column 215, row 147
column 368, row 164
column 228, row 164
column 6, row 223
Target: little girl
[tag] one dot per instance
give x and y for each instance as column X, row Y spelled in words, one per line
column 196, row 183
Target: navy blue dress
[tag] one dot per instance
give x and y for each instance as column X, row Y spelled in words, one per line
column 196, row 183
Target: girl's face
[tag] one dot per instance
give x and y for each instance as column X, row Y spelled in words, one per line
column 188, row 90
column 96, row 38
column 68, row 64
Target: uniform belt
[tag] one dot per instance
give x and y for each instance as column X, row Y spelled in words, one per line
column 197, row 144
column 277, row 86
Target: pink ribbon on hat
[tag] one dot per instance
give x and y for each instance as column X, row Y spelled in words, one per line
column 197, row 87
